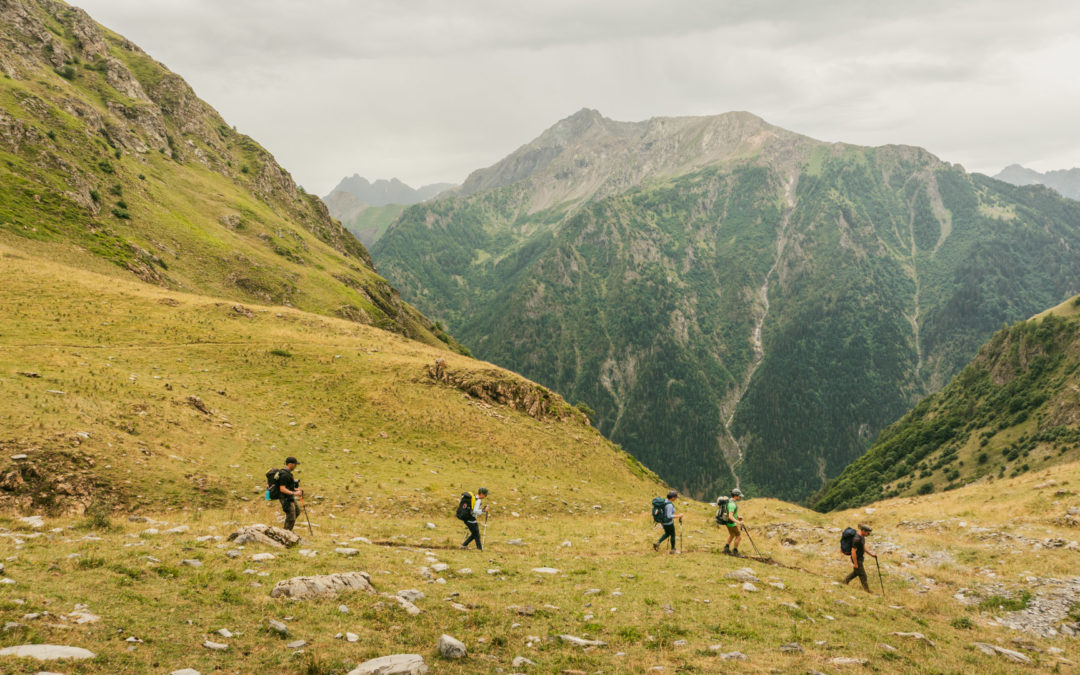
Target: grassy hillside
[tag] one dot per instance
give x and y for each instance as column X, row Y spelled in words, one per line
column 766, row 315
column 96, row 380
column 1014, row 409
column 109, row 161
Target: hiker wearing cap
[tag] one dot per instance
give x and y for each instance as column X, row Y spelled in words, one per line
column 469, row 510
column 733, row 521
column 288, row 490
column 858, row 548
column 667, row 520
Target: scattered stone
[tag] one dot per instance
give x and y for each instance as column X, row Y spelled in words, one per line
column 352, row 637
column 515, row 542
column 395, row 664
column 191, row 563
column 451, row 648
column 296, row 644
column 749, row 587
column 887, row 647
column 1008, row 654
column 278, row 627
column 262, row 557
column 347, row 552
column 582, row 642
column 412, row 609
column 791, row 647
column 326, row 585
column 134, row 640
column 745, row 575
column 343, row 609
column 677, row 643
column 545, row 570
column 917, row 637
column 34, row 522
column 215, row 646
column 19, row 457
column 430, row 526
column 715, row 648
column 848, row 661
column 225, row 633
column 265, row 534
column 566, row 544
column 734, row 656
column 180, row 529
column 410, row 594
column 81, row 615
column 47, row 652
column 185, row 671
column 308, row 553
column 233, row 553
column 439, row 567
column 777, row 585
column 464, row 571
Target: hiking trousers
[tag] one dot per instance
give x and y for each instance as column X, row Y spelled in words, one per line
column 288, row 505
column 474, row 535
column 860, row 572
column 669, row 533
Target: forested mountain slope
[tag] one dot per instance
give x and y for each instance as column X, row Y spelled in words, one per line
column 109, row 161
column 1014, row 409
column 724, row 293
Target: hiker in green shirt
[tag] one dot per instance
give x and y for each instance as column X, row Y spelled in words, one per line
column 733, row 520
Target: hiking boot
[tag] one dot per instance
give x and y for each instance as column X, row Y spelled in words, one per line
column 735, row 553
column 726, row 551
column 656, row 547
column 673, row 552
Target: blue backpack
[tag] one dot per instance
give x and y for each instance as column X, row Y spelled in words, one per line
column 659, row 511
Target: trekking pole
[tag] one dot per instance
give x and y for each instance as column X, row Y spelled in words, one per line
column 311, row 531
column 878, row 565
column 752, row 542
column 483, row 541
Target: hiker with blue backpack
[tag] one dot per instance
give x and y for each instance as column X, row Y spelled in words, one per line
column 663, row 512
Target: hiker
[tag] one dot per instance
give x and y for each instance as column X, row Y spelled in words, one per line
column 288, row 489
column 731, row 518
column 469, row 509
column 664, row 513
column 858, row 547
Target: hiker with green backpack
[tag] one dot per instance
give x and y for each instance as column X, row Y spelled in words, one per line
column 468, row 510
column 727, row 514
column 663, row 512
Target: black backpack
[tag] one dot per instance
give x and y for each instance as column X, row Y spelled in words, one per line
column 847, row 540
column 723, row 516
column 659, row 514
column 272, row 483
column 464, row 507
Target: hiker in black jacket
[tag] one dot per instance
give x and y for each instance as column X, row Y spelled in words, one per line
column 288, row 491
column 476, row 508
column 858, row 548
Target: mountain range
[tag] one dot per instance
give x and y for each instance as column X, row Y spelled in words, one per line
column 1065, row 181
column 367, row 209
column 736, row 303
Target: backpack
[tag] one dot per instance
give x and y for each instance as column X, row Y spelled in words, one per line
column 464, row 507
column 659, row 509
column 723, row 516
column 273, row 490
column 847, row 539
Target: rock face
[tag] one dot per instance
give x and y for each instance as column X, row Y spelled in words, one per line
column 47, row 652
column 323, row 586
column 395, row 664
column 265, row 534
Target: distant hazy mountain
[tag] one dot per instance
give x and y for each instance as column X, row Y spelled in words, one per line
column 383, row 192
column 726, row 295
column 1065, row 181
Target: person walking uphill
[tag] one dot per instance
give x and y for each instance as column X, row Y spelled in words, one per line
column 730, row 517
column 664, row 513
column 858, row 548
column 286, row 489
column 469, row 509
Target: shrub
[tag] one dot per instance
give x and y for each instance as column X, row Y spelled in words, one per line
column 962, row 622
column 68, row 72
column 997, row 602
column 105, row 166
column 281, row 352
column 121, row 213
column 926, row 488
column 983, row 457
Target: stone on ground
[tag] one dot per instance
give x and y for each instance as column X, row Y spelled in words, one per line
column 520, row 661
column 277, row 627
column 296, row 644
column 848, row 661
column 395, row 664
column 734, row 656
column 545, row 570
column 451, row 648
column 215, row 646
column 265, row 534
column 185, row 671
column 582, row 642
column 47, row 652
column 324, row 585
column 917, row 637
column 1008, row 654
column 744, row 574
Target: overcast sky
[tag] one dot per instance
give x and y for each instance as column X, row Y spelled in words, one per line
column 429, row 90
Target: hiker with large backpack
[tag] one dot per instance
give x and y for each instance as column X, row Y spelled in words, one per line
column 468, row 510
column 663, row 512
column 727, row 514
column 281, row 485
column 853, row 545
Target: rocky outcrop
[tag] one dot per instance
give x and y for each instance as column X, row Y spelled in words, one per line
column 265, row 534
column 323, row 586
column 503, row 388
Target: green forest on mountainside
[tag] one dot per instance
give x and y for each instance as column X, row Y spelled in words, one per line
column 1015, row 408
column 895, row 267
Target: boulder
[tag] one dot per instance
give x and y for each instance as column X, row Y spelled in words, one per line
column 395, row 664
column 47, row 652
column 451, row 648
column 265, row 534
column 322, row 586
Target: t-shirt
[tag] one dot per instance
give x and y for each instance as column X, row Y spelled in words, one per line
column 733, row 511
column 858, row 544
column 285, row 479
